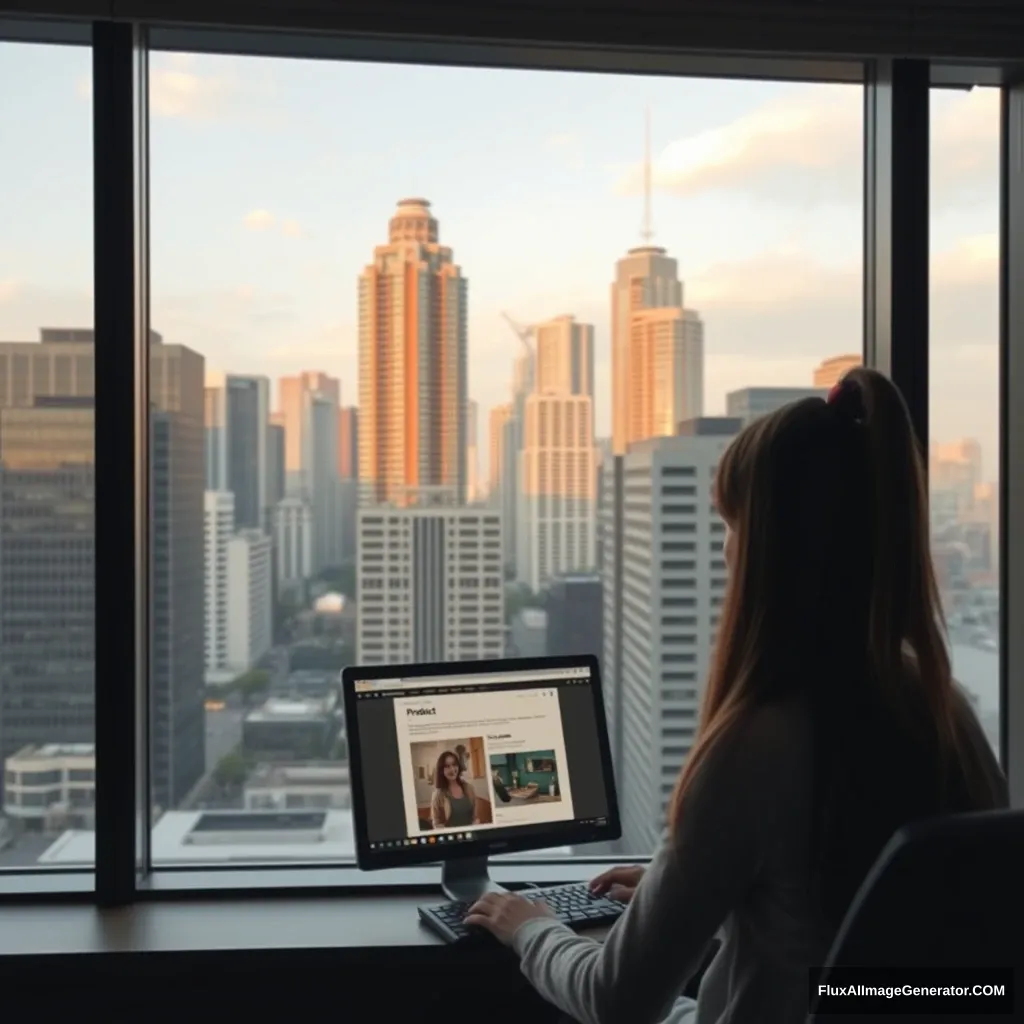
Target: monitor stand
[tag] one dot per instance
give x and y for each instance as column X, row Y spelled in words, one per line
column 466, row 879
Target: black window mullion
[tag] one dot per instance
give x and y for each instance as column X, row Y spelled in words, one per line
column 896, row 221
column 121, row 323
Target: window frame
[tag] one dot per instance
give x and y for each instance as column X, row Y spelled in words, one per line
column 896, row 161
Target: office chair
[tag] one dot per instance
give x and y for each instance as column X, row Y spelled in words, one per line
column 944, row 893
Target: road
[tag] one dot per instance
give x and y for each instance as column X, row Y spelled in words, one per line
column 223, row 731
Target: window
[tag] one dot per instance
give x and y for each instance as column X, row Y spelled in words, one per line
column 46, row 453
column 964, row 386
column 314, row 479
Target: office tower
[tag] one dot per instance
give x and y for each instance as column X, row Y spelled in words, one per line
column 556, row 518
column 323, row 486
column 472, row 452
column 575, row 607
column 612, row 523
column 293, row 415
column 293, row 543
column 237, row 414
column 499, row 416
column 564, row 357
column 749, row 404
column 250, row 598
column 275, row 460
column 430, row 585
column 60, row 366
column 666, row 371
column 348, row 470
column 604, row 464
column 831, row 371
column 672, row 579
column 177, row 692
column 412, row 365
column 219, row 526
column 47, row 569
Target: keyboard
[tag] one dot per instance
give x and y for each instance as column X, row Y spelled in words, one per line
column 574, row 905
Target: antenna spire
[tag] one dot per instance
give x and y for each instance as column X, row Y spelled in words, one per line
column 647, row 232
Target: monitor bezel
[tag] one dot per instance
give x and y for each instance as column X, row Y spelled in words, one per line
column 560, row 835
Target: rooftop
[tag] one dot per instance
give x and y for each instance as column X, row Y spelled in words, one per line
column 289, row 709
column 534, row 618
column 182, row 838
column 51, row 751
column 329, row 774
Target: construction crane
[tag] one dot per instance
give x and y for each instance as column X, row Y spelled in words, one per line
column 524, row 334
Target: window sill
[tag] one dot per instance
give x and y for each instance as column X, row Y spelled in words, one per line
column 340, row 912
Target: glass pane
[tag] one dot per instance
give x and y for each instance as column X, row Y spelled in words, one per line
column 964, row 371
column 46, row 458
column 394, row 319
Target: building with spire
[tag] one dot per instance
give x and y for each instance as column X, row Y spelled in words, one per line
column 657, row 344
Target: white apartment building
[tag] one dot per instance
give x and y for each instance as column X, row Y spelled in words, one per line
column 250, row 617
column 219, row 526
column 670, row 577
column 430, row 584
column 239, row 615
column 293, row 542
column 556, row 518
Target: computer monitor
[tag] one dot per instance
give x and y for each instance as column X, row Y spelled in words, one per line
column 455, row 761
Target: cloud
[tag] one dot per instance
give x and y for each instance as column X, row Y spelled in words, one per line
column 806, row 147
column 264, row 220
column 179, row 89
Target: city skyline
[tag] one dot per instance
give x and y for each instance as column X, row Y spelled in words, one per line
column 249, row 269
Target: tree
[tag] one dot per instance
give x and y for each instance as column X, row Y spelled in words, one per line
column 251, row 683
column 231, row 770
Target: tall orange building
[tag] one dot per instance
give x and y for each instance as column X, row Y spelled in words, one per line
column 412, row 365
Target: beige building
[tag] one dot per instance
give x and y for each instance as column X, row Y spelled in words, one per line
column 473, row 486
column 293, row 413
column 649, row 322
column 564, row 357
column 831, row 371
column 499, row 417
column 412, row 364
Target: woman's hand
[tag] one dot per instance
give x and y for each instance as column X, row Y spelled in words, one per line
column 502, row 914
column 618, row 883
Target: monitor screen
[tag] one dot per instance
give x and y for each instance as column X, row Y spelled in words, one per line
column 472, row 758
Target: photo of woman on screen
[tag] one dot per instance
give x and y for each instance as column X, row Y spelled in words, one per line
column 453, row 804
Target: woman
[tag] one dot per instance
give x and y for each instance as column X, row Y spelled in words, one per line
column 453, row 804
column 830, row 720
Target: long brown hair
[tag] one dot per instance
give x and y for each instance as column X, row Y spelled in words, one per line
column 440, row 779
column 832, row 598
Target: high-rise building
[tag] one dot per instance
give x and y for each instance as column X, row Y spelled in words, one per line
column 556, row 518
column 293, row 543
column 564, row 357
column 250, row 597
column 412, row 364
column 348, row 468
column 47, row 571
column 323, row 486
column 671, row 576
column 430, row 584
column 237, row 415
column 61, row 366
column 472, row 452
column 666, row 372
column 831, row 370
column 219, row 526
column 749, row 404
column 575, row 607
column 499, row 416
column 293, row 414
column 275, row 459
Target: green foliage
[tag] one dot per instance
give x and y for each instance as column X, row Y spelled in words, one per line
column 231, row 769
column 252, row 683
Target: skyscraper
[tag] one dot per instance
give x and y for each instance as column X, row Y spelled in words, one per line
column 659, row 634
column 36, row 381
column 499, row 416
column 657, row 345
column 472, row 452
column 348, row 470
column 412, row 365
column 749, row 404
column 237, row 416
column 293, row 414
column 275, row 458
column 564, row 357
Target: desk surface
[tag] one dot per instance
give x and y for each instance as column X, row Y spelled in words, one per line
column 349, row 922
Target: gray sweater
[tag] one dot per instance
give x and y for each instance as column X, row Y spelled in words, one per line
column 737, row 868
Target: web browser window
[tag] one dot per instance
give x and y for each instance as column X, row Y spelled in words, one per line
column 446, row 759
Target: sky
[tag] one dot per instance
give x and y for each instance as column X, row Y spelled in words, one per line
column 272, row 180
